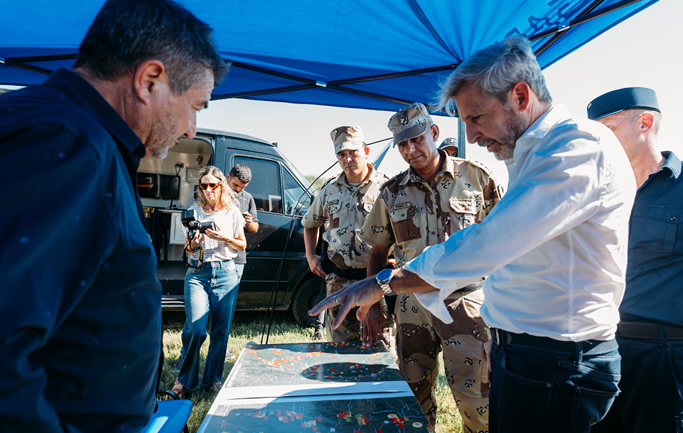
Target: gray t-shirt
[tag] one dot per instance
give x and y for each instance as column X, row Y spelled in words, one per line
column 246, row 203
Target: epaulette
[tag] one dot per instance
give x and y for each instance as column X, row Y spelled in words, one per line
column 328, row 181
column 481, row 165
column 393, row 179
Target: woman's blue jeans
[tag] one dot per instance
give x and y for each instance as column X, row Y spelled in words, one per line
column 536, row 389
column 209, row 289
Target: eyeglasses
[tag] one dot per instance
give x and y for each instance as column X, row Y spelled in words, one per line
column 206, row 186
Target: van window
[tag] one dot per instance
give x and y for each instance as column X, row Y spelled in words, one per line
column 297, row 200
column 265, row 185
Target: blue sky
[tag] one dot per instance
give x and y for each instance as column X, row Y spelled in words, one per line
column 642, row 51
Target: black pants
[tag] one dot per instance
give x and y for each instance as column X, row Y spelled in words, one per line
column 651, row 398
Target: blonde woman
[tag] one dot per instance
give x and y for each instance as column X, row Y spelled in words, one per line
column 211, row 287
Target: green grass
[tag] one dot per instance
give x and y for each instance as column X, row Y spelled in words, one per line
column 247, row 327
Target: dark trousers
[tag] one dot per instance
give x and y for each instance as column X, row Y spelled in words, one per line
column 540, row 385
column 652, row 388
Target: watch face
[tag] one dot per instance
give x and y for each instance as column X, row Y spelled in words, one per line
column 384, row 274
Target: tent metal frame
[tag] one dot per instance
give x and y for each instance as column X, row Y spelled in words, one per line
column 341, row 85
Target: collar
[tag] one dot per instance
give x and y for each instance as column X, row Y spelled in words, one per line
column 341, row 178
column 447, row 167
column 87, row 97
column 539, row 129
column 672, row 163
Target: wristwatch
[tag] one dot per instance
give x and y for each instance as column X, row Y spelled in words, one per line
column 383, row 279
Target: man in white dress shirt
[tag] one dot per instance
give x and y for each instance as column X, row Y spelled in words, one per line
column 554, row 246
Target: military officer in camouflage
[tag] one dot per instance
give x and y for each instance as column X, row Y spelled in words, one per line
column 345, row 202
column 421, row 206
column 450, row 145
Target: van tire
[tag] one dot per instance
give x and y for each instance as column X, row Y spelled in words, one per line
column 305, row 298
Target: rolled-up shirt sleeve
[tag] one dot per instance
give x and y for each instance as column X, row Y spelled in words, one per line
column 315, row 215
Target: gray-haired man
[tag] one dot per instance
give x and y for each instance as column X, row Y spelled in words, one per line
column 80, row 316
column 554, row 246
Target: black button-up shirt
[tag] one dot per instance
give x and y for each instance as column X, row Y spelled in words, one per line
column 80, row 305
column 655, row 248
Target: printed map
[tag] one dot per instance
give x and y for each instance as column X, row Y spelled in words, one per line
column 315, row 387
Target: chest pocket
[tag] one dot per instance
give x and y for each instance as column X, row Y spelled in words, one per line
column 332, row 209
column 466, row 206
column 658, row 228
column 464, row 213
column 366, row 207
column 403, row 223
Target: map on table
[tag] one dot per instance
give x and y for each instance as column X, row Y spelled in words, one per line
column 374, row 413
column 315, row 387
column 346, row 367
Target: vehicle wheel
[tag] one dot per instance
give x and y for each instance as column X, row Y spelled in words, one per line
column 305, row 298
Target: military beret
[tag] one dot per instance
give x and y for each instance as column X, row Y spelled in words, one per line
column 622, row 99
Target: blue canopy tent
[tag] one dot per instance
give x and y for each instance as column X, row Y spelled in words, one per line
column 373, row 54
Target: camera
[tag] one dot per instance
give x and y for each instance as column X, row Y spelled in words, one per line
column 189, row 220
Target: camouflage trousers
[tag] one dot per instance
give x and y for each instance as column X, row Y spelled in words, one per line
column 350, row 327
column 421, row 337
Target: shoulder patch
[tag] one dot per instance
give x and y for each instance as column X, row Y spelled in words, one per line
column 392, row 184
column 329, row 181
column 481, row 165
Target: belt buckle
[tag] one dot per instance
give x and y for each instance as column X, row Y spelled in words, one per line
column 500, row 337
column 495, row 335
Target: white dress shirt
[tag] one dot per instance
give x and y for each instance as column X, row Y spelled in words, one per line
column 555, row 246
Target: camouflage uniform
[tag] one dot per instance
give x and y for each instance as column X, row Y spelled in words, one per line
column 346, row 207
column 411, row 215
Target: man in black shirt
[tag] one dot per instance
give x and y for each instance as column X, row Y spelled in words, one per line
column 650, row 330
column 80, row 306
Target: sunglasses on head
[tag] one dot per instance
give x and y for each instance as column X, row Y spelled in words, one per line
column 205, row 186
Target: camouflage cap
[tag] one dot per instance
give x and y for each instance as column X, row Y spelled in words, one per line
column 449, row 142
column 410, row 122
column 347, row 138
